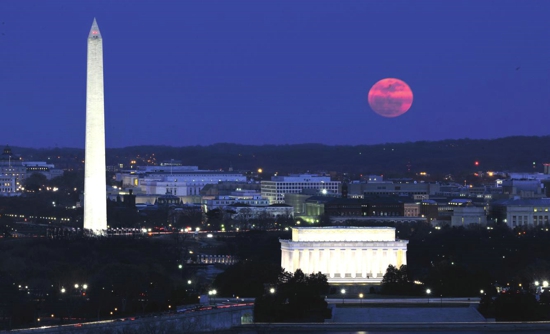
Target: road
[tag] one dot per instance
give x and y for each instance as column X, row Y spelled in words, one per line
column 471, row 300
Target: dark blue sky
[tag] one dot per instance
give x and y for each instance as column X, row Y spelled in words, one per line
column 274, row 72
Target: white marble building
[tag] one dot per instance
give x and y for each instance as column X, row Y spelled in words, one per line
column 181, row 181
column 344, row 254
column 248, row 197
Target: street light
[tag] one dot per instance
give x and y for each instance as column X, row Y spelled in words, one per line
column 343, row 291
column 545, row 284
column 361, row 299
column 62, row 290
column 481, row 291
column 428, row 291
column 212, row 293
column 76, row 286
column 272, row 290
column 85, row 286
column 537, row 283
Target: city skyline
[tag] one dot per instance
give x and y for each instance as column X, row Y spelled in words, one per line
column 198, row 73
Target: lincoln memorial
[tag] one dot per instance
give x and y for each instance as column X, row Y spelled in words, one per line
column 344, row 254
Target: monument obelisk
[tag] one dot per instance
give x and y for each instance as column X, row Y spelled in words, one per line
column 95, row 199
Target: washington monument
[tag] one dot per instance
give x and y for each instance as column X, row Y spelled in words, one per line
column 95, row 200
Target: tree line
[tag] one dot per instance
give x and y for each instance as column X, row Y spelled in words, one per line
column 436, row 157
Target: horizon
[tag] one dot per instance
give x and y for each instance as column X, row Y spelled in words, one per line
column 275, row 73
column 294, row 144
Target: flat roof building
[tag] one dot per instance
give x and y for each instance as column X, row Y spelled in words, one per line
column 344, row 254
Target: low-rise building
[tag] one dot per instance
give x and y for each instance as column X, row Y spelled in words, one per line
column 344, row 254
column 176, row 180
column 411, row 209
column 246, row 212
column 388, row 188
column 250, row 198
column 8, row 186
column 521, row 212
column 468, row 214
column 275, row 189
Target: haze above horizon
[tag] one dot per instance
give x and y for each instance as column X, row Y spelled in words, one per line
column 271, row 72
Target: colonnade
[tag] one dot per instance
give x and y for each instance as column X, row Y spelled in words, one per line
column 341, row 262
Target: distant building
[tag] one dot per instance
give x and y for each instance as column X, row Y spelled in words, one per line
column 392, row 189
column 354, row 207
column 429, row 209
column 411, row 209
column 174, row 179
column 46, row 169
column 13, row 165
column 246, row 212
column 298, row 202
column 247, row 197
column 521, row 212
column 227, row 187
column 276, row 189
column 8, row 186
column 466, row 215
column 344, row 254
column 524, row 188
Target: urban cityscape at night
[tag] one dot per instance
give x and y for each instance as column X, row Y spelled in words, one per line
column 274, row 166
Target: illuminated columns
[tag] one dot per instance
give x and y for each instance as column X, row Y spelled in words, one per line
column 345, row 257
column 364, row 262
column 319, row 259
column 332, row 263
column 305, row 261
column 295, row 260
column 356, row 262
column 325, row 261
column 342, row 261
column 374, row 264
column 384, row 263
column 285, row 258
column 95, row 199
column 367, row 263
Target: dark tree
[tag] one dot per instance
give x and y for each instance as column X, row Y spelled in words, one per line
column 396, row 281
column 35, row 182
column 294, row 298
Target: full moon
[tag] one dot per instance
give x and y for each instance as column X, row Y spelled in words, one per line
column 390, row 97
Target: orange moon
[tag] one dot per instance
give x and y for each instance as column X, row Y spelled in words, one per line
column 390, row 97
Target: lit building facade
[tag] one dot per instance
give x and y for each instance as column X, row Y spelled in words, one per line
column 276, row 189
column 344, row 254
column 245, row 212
column 175, row 180
column 247, row 197
column 393, row 189
column 412, row 209
column 522, row 212
column 8, row 186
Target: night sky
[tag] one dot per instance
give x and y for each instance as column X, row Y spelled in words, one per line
column 274, row 72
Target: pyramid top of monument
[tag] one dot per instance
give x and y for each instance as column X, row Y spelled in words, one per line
column 94, row 31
